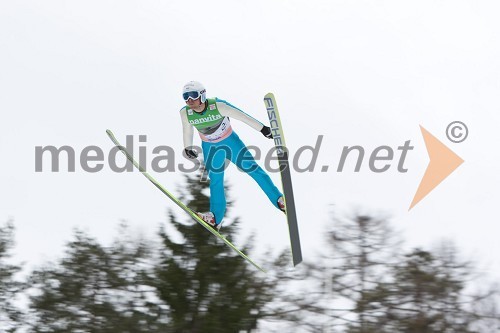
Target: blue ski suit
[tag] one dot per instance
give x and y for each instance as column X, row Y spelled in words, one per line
column 221, row 143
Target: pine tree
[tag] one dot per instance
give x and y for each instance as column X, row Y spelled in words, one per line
column 384, row 290
column 427, row 294
column 360, row 251
column 94, row 289
column 206, row 286
column 10, row 315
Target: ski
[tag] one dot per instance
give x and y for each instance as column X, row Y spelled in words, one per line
column 286, row 179
column 177, row 201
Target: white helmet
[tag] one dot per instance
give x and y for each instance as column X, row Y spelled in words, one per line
column 194, row 90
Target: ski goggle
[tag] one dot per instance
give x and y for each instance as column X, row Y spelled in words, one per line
column 192, row 95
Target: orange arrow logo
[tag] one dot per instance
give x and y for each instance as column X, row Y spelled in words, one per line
column 442, row 162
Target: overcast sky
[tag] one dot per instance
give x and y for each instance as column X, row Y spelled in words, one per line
column 357, row 72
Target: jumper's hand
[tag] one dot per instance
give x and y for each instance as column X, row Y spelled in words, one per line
column 266, row 131
column 190, row 153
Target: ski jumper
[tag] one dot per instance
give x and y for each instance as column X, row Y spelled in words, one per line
column 221, row 143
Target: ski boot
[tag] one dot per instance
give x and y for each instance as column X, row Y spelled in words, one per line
column 209, row 218
column 281, row 204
